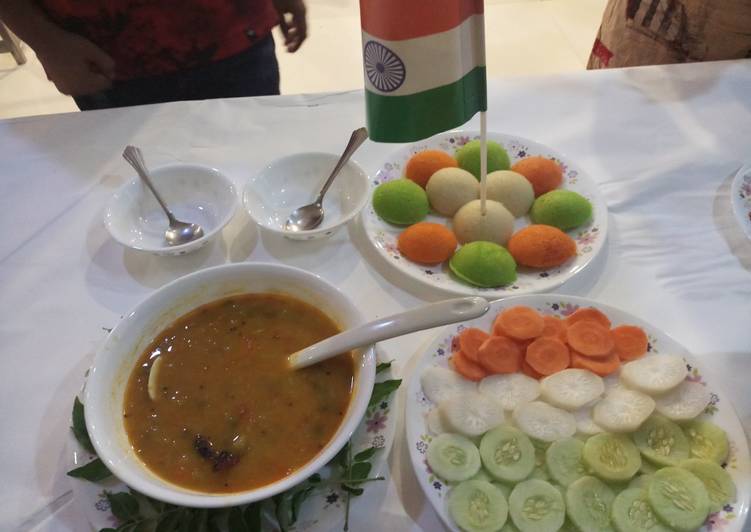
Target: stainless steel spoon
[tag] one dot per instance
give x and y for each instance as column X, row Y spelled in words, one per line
column 179, row 232
column 310, row 216
column 418, row 319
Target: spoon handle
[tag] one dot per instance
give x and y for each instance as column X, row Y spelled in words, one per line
column 355, row 141
column 134, row 156
column 425, row 317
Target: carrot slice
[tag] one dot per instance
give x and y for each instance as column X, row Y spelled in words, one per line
column 603, row 366
column 590, row 314
column 466, row 368
column 555, row 327
column 590, row 338
column 529, row 371
column 470, row 341
column 499, row 354
column 631, row 342
column 547, row 355
column 520, row 322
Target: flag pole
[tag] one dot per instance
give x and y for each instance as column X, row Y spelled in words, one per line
column 483, row 162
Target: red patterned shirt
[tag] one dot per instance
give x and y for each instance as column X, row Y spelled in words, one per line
column 152, row 37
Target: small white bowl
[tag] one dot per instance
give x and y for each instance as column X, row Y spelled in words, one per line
column 194, row 193
column 294, row 181
column 114, row 362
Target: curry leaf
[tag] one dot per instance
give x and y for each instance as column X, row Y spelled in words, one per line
column 94, row 471
column 383, row 366
column 354, row 491
column 367, row 454
column 236, row 521
column 382, row 390
column 341, row 457
column 168, row 522
column 79, row 426
column 123, row 505
column 360, row 471
column 297, row 499
column 314, row 478
column 252, row 517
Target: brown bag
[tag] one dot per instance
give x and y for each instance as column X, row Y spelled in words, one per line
column 653, row 32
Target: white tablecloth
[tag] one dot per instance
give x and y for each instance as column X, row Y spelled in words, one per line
column 662, row 142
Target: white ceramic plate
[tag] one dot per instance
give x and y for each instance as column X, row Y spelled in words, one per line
column 589, row 238
column 740, row 197
column 719, row 411
column 323, row 511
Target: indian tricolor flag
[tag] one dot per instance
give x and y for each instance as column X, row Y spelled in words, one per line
column 424, row 63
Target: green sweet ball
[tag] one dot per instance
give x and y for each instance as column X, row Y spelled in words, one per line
column 484, row 264
column 400, row 202
column 468, row 157
column 564, row 209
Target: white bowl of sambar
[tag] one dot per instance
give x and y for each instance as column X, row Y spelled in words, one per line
column 190, row 400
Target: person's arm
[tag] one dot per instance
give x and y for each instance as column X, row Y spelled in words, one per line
column 74, row 64
column 294, row 29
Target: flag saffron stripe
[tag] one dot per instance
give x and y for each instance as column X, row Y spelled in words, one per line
column 420, row 115
column 407, row 19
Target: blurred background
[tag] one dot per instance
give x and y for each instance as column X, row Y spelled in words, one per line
column 523, row 37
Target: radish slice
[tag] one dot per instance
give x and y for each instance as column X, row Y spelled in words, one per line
column 439, row 384
column 435, row 423
column 571, row 388
column 471, row 414
column 152, row 386
column 623, row 410
column 654, row 375
column 544, row 422
column 685, row 402
column 584, row 422
column 510, row 390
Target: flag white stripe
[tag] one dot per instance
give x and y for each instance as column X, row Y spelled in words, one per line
column 429, row 62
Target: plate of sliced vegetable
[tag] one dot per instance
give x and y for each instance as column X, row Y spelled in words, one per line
column 555, row 412
column 549, row 218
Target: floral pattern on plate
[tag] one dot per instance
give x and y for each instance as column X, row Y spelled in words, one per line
column 589, row 238
column 729, row 519
column 321, row 512
column 740, row 197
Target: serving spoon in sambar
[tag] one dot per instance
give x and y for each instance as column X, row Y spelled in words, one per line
column 425, row 317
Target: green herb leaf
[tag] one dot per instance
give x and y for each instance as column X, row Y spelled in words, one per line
column 123, row 505
column 341, row 457
column 383, row 366
column 94, row 471
column 236, row 521
column 252, row 517
column 168, row 522
column 360, row 471
column 314, row 478
column 354, row 491
column 382, row 390
column 297, row 499
column 200, row 520
column 367, row 454
column 79, row 426
column 107, row 530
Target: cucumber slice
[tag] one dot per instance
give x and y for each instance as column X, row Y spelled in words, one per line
column 648, row 468
column 435, row 422
column 471, row 414
column 571, row 389
column 588, row 502
column 612, row 457
column 707, row 441
column 507, row 454
column 505, row 489
column 640, row 481
column 661, row 441
column 678, row 498
column 540, row 471
column 453, row 457
column 564, row 461
column 544, row 422
column 536, row 506
column 568, row 526
column 654, row 374
column 584, row 422
column 509, row 526
column 482, row 474
column 686, row 401
column 623, row 410
column 510, row 390
column 439, row 384
column 631, row 513
column 716, row 480
column 477, row 506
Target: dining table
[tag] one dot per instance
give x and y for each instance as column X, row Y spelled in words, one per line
column 663, row 144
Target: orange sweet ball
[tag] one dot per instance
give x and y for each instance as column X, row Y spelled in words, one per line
column 544, row 174
column 422, row 165
column 541, row 246
column 427, row 243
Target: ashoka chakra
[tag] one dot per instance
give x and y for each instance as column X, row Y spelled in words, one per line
column 383, row 67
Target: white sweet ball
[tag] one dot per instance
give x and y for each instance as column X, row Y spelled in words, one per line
column 450, row 188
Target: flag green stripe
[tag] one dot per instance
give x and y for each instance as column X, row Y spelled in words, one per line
column 423, row 114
